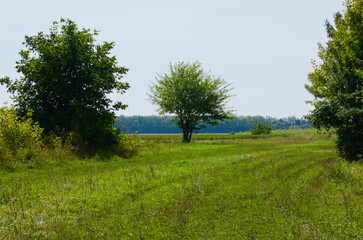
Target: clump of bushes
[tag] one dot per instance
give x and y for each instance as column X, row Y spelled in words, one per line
column 59, row 148
column 24, row 143
column 113, row 142
column 128, row 145
column 20, row 138
column 260, row 128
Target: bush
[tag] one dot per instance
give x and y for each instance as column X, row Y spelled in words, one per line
column 259, row 128
column 59, row 147
column 20, row 138
column 23, row 144
column 128, row 145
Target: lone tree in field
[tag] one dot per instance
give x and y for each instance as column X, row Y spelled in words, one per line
column 260, row 128
column 65, row 82
column 337, row 82
column 195, row 97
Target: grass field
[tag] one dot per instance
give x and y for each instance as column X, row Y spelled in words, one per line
column 290, row 185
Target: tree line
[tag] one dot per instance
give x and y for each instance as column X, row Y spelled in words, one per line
column 164, row 124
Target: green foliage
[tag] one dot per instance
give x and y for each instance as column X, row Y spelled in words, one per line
column 128, row 146
column 337, row 83
column 20, row 138
column 60, row 149
column 23, row 144
column 65, row 82
column 260, row 128
column 195, row 97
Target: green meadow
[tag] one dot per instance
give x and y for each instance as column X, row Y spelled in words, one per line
column 287, row 185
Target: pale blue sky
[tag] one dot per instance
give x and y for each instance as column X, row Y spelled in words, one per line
column 264, row 48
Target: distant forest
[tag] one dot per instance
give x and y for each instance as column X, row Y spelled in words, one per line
column 163, row 124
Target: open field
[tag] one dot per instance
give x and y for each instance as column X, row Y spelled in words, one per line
column 290, row 185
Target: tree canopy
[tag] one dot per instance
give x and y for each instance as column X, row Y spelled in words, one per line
column 195, row 97
column 337, row 82
column 66, row 77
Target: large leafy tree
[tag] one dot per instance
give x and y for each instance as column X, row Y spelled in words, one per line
column 195, row 98
column 66, row 77
column 337, row 81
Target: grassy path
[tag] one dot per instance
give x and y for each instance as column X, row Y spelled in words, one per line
column 273, row 188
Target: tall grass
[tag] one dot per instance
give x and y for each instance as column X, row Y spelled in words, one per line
column 284, row 186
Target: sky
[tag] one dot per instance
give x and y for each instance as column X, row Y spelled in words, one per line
column 264, row 48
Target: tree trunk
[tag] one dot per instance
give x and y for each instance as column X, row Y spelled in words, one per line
column 185, row 135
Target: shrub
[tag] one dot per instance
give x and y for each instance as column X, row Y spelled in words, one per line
column 259, row 128
column 59, row 147
column 20, row 138
column 128, row 145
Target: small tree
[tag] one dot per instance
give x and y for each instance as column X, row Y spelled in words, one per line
column 260, row 128
column 337, row 82
column 65, row 82
column 195, row 97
